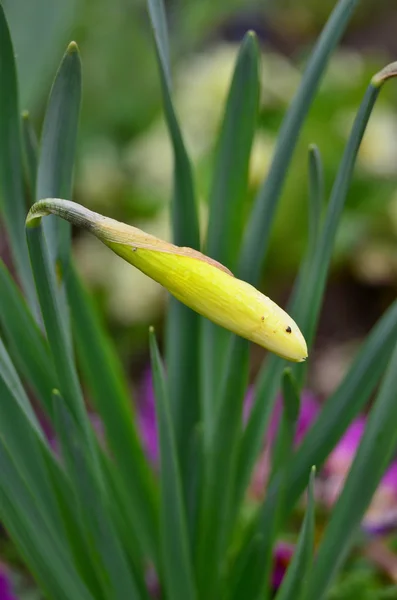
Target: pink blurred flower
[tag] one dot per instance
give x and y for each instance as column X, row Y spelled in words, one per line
column 309, row 410
column 146, row 412
column 6, row 588
column 382, row 512
column 282, row 557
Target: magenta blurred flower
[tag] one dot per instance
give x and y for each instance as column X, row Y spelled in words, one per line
column 146, row 411
column 6, row 589
column 309, row 410
column 282, row 557
column 382, row 513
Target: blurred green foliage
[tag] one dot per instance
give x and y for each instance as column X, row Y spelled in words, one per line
column 124, row 157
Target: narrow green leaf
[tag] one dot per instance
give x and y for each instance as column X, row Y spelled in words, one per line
column 227, row 201
column 373, row 456
column 39, row 543
column 74, row 527
column 291, row 406
column 315, row 214
column 25, row 341
column 159, row 24
column 11, row 379
column 255, row 578
column 55, row 165
column 61, row 350
column 346, row 402
column 220, row 454
column 30, row 147
column 184, row 211
column 116, row 577
column 296, row 578
column 177, row 563
column 256, row 237
column 229, row 184
column 313, row 285
column 195, row 484
column 242, row 565
column 108, row 387
column 57, row 149
column 126, row 527
column 12, row 200
column 307, row 294
column 183, row 325
column 22, row 436
column 316, row 196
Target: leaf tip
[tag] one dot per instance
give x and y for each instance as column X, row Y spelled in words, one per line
column 251, row 35
column 313, row 148
column 250, row 42
column 72, row 48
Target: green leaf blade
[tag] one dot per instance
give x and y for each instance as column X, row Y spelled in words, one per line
column 57, row 334
column 57, row 148
column 316, row 196
column 254, row 580
column 106, row 382
column 25, row 342
column 22, row 436
column 373, row 456
column 230, row 179
column 218, row 488
column 346, row 402
column 175, row 542
column 31, row 147
column 107, row 554
column 12, row 199
column 256, row 236
column 297, row 575
column 44, row 553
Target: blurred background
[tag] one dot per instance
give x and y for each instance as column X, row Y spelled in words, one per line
column 124, row 165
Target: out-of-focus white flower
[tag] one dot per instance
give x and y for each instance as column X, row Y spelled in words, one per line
column 345, row 70
column 261, row 156
column 200, row 90
column 376, row 264
column 331, row 366
column 149, row 161
column 379, row 148
column 100, row 175
column 378, row 152
column 279, row 79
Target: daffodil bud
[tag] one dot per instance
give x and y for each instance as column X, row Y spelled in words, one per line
column 198, row 281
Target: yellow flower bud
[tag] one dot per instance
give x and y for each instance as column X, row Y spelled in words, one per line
column 198, row 281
